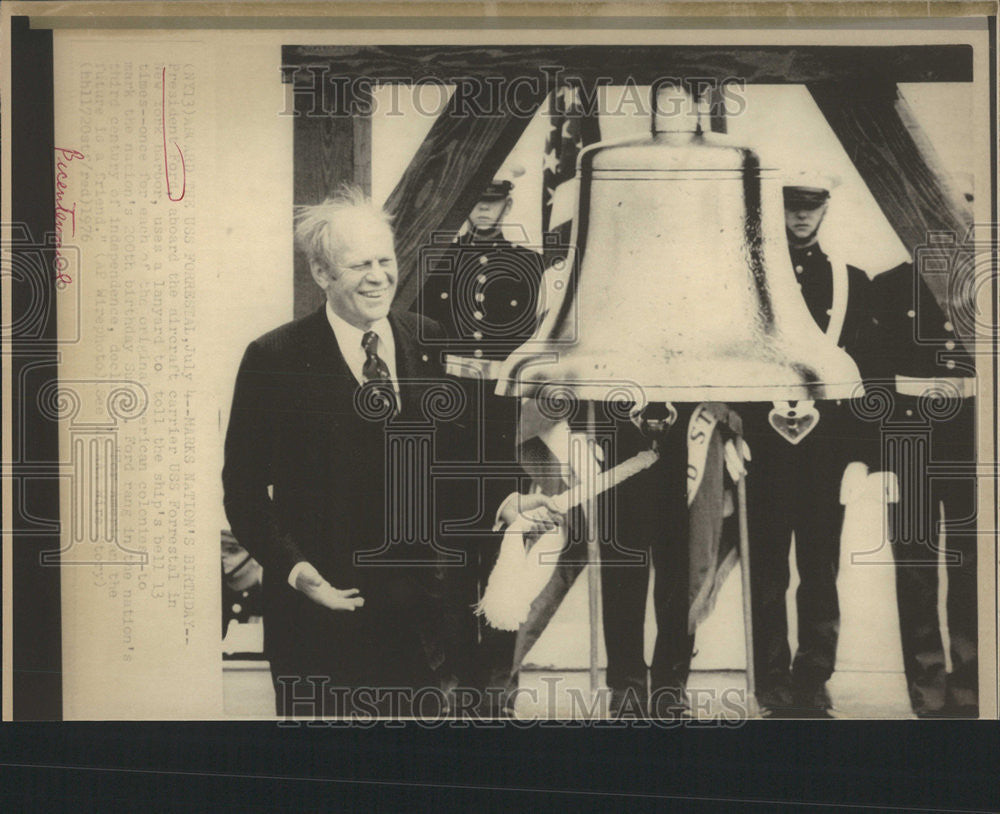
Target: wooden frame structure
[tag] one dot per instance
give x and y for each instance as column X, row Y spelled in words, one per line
column 854, row 86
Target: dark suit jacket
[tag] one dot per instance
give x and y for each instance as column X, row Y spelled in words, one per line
column 304, row 479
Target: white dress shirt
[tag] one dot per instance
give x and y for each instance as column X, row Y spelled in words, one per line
column 349, row 339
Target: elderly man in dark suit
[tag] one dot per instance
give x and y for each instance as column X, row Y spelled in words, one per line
column 347, row 616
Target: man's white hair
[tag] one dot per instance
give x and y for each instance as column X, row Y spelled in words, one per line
column 321, row 230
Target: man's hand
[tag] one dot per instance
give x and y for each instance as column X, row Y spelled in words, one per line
column 309, row 581
column 736, row 464
column 883, row 486
column 854, row 484
column 541, row 510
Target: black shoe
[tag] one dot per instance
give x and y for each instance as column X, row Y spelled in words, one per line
column 962, row 701
column 670, row 704
column 628, row 703
column 775, row 702
column 955, row 711
column 498, row 713
column 949, row 709
column 497, row 706
column 811, row 701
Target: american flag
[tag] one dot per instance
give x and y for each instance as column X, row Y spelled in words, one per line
column 572, row 128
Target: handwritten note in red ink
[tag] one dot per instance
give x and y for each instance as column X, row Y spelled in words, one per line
column 65, row 212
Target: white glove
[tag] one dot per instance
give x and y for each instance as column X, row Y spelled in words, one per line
column 855, row 483
column 885, row 485
column 543, row 511
column 735, row 465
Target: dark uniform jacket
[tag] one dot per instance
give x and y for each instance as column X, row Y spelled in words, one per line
column 852, row 438
column 914, row 338
column 483, row 293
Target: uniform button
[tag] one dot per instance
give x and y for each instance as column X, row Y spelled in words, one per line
column 477, row 315
column 483, row 261
column 949, row 345
column 477, row 335
column 829, row 311
column 481, row 278
column 423, row 357
column 911, row 313
column 477, row 353
column 949, row 327
column 809, row 253
column 799, row 269
column 909, row 412
column 237, row 607
column 444, row 295
column 480, row 296
column 950, row 364
column 513, row 303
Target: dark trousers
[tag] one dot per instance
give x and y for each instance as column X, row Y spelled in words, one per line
column 381, row 667
column 649, row 517
column 494, row 653
column 916, row 543
column 795, row 489
column 478, row 656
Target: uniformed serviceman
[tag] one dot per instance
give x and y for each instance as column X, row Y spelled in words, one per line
column 795, row 485
column 241, row 584
column 483, row 289
column 930, row 379
column 649, row 516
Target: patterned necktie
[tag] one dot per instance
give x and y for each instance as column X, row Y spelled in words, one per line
column 375, row 369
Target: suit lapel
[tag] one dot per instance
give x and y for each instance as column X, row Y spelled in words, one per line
column 322, row 353
column 408, row 367
column 330, row 382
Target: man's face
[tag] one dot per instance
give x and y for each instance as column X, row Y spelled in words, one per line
column 361, row 281
column 488, row 213
column 802, row 220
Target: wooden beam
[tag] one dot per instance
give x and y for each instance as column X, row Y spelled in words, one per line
column 876, row 128
column 453, row 165
column 329, row 151
column 617, row 64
